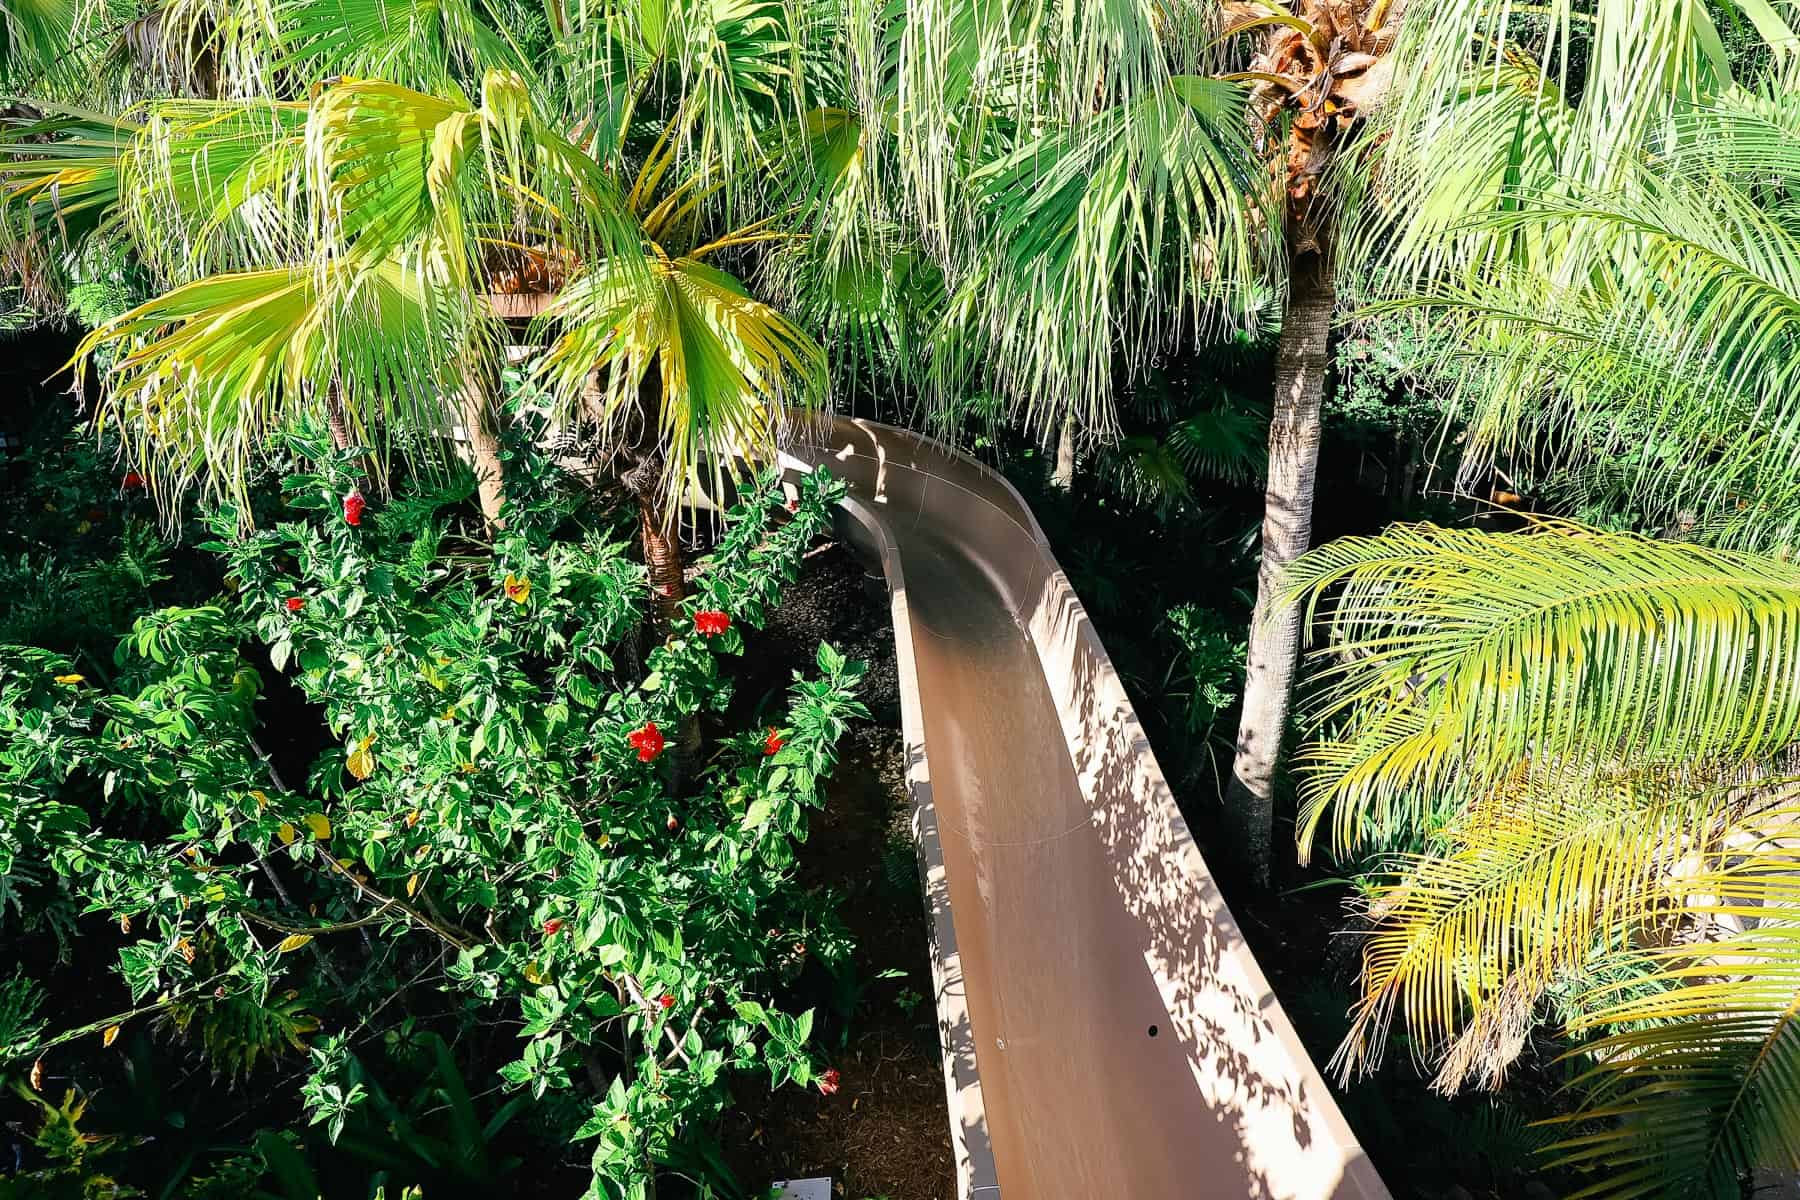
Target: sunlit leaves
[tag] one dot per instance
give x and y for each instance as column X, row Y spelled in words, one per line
column 1588, row 736
column 1462, row 657
column 725, row 366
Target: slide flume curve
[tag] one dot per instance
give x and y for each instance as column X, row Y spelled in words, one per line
column 1106, row 1031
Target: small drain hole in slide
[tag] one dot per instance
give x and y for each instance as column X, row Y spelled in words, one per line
column 1153, row 1031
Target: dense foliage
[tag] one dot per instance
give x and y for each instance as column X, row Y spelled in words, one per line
column 362, row 748
column 518, row 812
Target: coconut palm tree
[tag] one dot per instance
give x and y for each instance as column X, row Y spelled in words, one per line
column 1573, row 751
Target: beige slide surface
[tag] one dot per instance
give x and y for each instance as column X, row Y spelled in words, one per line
column 1107, row 1032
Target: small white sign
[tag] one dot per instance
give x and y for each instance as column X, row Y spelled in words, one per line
column 804, row 1189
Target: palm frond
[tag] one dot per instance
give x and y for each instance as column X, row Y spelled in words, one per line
column 1679, row 345
column 726, row 366
column 217, row 186
column 1226, row 442
column 1464, row 657
column 725, row 76
column 1507, row 105
column 208, row 371
column 60, row 173
column 1696, row 1085
column 1519, row 891
column 421, row 45
column 34, row 34
column 1106, row 240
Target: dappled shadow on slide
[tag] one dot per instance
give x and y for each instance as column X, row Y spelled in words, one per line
column 1107, row 1032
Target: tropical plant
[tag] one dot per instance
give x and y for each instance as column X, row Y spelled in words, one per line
column 1160, row 175
column 1588, row 737
column 1650, row 363
column 1571, row 752
column 494, row 813
column 322, row 243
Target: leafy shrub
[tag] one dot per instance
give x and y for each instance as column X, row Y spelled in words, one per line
column 1202, row 683
column 517, row 809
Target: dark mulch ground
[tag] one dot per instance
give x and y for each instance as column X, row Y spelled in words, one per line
column 886, row 1132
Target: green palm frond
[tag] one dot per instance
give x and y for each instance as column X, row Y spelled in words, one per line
column 34, row 34
column 60, row 173
column 207, row 372
column 419, row 44
column 217, row 186
column 871, row 308
column 1227, row 442
column 1636, row 63
column 1106, row 239
column 1148, row 471
column 1696, row 1083
column 726, row 367
column 1506, row 106
column 1464, row 657
column 387, row 163
column 1411, row 193
column 724, row 76
column 1670, row 336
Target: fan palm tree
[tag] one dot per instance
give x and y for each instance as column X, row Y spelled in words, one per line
column 674, row 358
column 338, row 252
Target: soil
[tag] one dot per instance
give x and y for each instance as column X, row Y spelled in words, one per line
column 885, row 1135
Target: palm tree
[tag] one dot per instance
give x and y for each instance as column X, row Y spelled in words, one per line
column 1572, row 751
column 1573, row 755
column 1098, row 179
column 675, row 359
column 337, row 252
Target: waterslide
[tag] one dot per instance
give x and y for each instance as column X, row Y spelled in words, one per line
column 1106, row 1031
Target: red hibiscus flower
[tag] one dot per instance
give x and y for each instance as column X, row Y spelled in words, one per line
column 132, row 481
column 296, row 603
column 711, row 623
column 773, row 743
column 648, row 741
column 553, row 926
column 353, row 506
column 828, row 1082
column 667, row 1001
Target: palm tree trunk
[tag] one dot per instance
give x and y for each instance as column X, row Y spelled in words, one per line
column 1064, row 478
column 662, row 558
column 643, row 462
column 335, row 419
column 1300, row 373
column 484, row 448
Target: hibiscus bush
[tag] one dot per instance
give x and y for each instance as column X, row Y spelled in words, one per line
column 529, row 813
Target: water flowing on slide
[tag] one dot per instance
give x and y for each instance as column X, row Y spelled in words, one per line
column 1106, row 1031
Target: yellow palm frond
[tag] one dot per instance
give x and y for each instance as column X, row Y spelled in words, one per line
column 1457, row 658
column 1698, row 1081
column 1518, row 894
column 209, row 370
